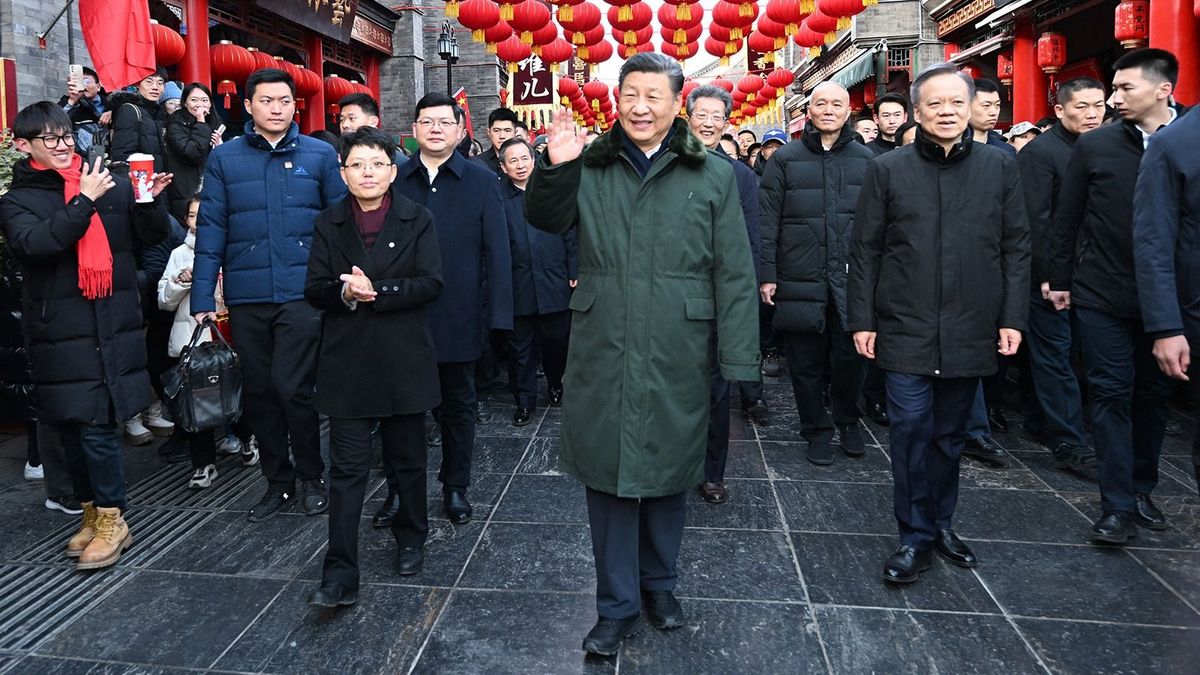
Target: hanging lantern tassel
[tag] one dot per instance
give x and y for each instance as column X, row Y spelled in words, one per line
column 625, row 13
column 724, row 61
column 566, row 14
column 806, row 6
column 679, row 36
column 735, row 33
column 870, row 3
column 299, row 104
column 582, row 52
column 596, row 105
column 227, row 88
column 683, row 12
column 512, row 67
column 477, row 35
column 843, row 22
column 506, row 12
column 452, row 9
column 527, row 37
column 746, row 9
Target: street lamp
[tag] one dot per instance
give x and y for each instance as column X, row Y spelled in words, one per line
column 447, row 48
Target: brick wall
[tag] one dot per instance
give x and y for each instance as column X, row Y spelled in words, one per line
column 41, row 73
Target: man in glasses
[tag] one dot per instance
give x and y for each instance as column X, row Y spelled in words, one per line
column 86, row 104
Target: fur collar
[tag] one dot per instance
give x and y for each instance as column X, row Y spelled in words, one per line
column 607, row 148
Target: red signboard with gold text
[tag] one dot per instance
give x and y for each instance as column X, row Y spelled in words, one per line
column 332, row 18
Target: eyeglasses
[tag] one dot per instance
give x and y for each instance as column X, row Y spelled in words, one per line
column 705, row 119
column 426, row 122
column 51, row 142
column 361, row 166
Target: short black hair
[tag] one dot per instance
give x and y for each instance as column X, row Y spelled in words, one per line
column 38, row 118
column 986, row 85
column 729, row 137
column 502, row 115
column 1156, row 64
column 436, row 100
column 1047, row 121
column 900, row 130
column 892, row 97
column 654, row 63
column 369, row 137
column 92, row 73
column 325, row 135
column 1065, row 91
column 364, row 101
column 268, row 76
column 748, row 131
column 522, row 125
column 512, row 143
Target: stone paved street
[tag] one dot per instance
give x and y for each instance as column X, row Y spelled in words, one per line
column 783, row 579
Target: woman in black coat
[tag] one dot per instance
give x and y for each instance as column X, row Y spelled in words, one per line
column 137, row 121
column 190, row 135
column 373, row 268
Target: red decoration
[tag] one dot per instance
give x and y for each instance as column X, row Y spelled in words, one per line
column 1051, row 52
column 495, row 35
column 750, row 84
column 1132, row 25
column 842, row 10
column 689, row 35
column 556, row 52
column 513, row 51
column 972, row 72
column 544, row 36
column 731, row 16
column 624, row 8
column 761, row 43
column 869, row 93
column 807, row 37
column 478, row 16
column 506, row 8
column 230, row 65
column 586, row 17
column 824, row 24
column 785, row 12
column 597, row 53
column 528, row 16
column 674, row 29
column 261, row 59
column 335, row 88
column 780, row 78
column 168, row 45
column 680, row 52
column 1004, row 68
column 595, row 91
column 774, row 30
column 686, row 9
column 566, row 8
column 722, row 83
column 639, row 17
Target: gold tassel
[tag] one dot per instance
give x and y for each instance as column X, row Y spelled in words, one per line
column 625, row 13
column 506, row 12
column 452, row 9
column 746, row 9
column 814, row 52
column 512, row 68
column 730, row 50
column 807, row 6
column 679, row 36
column 577, row 39
column 491, row 48
column 527, row 37
column 870, row 3
column 843, row 22
column 477, row 35
column 735, row 33
column 830, row 37
column 629, row 38
column 582, row 52
column 565, row 14
column 683, row 12
column 724, row 61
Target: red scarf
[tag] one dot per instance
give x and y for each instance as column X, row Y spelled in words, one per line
column 93, row 251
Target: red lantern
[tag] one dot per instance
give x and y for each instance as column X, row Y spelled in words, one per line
column 230, row 64
column 624, row 8
column 780, row 78
column 824, row 24
column 597, row 53
column 638, row 18
column 842, row 10
column 750, row 84
column 528, row 16
column 506, row 9
column 556, row 52
column 869, row 93
column 689, row 35
column 594, row 91
column 685, row 9
column 786, row 12
column 478, row 16
column 495, row 35
column 733, row 17
column 722, row 83
column 774, row 30
column 1132, row 26
column 513, row 51
column 809, row 38
column 680, row 52
column 544, row 36
column 335, row 88
column 168, row 45
column 761, row 43
column 566, row 8
column 261, row 59
column 972, row 72
column 1051, row 52
column 673, row 29
column 1004, row 68
column 585, row 18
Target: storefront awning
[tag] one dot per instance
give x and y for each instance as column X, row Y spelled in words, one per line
column 986, row 47
column 858, row 70
column 1002, row 13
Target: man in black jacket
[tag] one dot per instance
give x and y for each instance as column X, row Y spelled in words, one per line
column 1166, row 217
column 891, row 110
column 1095, row 277
column 1043, row 163
column 939, row 275
column 502, row 125
column 86, row 104
column 808, row 196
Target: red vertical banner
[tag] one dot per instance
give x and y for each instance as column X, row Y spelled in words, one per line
column 460, row 97
column 757, row 63
column 8, row 92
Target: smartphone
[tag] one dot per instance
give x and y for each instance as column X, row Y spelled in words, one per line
column 75, row 74
column 221, row 130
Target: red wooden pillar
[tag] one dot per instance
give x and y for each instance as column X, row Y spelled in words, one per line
column 313, row 117
column 1175, row 28
column 195, row 66
column 1029, row 91
column 372, row 68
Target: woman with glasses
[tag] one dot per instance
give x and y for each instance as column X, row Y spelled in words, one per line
column 191, row 133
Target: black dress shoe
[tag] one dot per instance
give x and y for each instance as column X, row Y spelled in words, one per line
column 313, row 497
column 268, row 506
column 482, row 414
column 949, row 546
column 819, row 452
column 555, row 395
column 756, row 410
column 1148, row 515
column 1173, row 428
column 411, row 561
column 387, row 510
column 997, row 421
column 877, row 413
column 852, row 441
column 1079, row 459
column 522, row 417
column 906, row 564
column 662, row 609
column 771, row 367
column 332, row 594
column 714, row 493
column 458, row 509
column 984, row 449
column 434, row 437
column 606, row 636
column 1114, row 527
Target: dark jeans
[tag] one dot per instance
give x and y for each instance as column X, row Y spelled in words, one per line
column 349, row 467
column 718, row 425
column 1128, row 397
column 97, row 466
column 544, row 334
column 808, row 356
column 635, row 543
column 456, row 414
column 1054, row 381
column 928, row 429
column 58, row 479
column 278, row 348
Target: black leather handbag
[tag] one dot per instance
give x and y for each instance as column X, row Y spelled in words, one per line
column 204, row 389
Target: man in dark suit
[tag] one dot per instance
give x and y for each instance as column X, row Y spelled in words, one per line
column 468, row 214
column 1166, row 234
column 502, row 125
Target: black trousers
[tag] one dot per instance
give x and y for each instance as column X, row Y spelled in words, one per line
column 349, row 468
column 927, row 433
column 158, row 335
column 278, row 348
column 456, row 415
column 808, row 355
column 1055, row 384
column 635, row 543
column 718, row 425
column 1128, row 397
column 539, row 333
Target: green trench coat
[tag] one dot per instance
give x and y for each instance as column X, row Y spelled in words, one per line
column 665, row 275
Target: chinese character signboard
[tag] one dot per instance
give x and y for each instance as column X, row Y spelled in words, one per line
column 532, row 84
column 757, row 63
column 331, row 18
column 372, row 34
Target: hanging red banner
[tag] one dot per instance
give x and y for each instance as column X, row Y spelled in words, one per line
column 532, row 84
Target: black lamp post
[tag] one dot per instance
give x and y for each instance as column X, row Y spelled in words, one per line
column 447, row 48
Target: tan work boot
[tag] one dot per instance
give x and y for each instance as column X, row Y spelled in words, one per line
column 112, row 538
column 87, row 531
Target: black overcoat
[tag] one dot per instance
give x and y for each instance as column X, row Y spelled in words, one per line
column 543, row 263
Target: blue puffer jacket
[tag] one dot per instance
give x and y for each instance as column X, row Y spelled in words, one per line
column 257, row 209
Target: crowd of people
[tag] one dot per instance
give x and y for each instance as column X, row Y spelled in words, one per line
column 899, row 266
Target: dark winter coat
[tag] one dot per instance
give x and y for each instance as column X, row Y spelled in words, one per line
column 664, row 268
column 256, row 217
column 377, row 359
column 472, row 233
column 1092, row 237
column 1043, row 163
column 84, row 111
column 996, row 140
column 16, row 375
column 807, row 199
column 543, row 264
column 747, row 185
column 491, row 159
column 1166, row 231
column 881, row 145
column 939, row 259
column 136, row 127
column 89, row 356
column 187, row 144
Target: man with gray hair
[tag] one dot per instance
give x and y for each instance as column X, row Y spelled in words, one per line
column 708, row 109
column 939, row 277
column 808, row 196
column 663, row 261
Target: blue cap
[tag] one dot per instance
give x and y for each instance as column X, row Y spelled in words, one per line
column 171, row 90
column 775, row 135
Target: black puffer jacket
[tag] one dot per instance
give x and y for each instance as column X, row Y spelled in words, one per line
column 186, row 146
column 939, row 260
column 16, row 379
column 137, row 127
column 807, row 199
column 89, row 356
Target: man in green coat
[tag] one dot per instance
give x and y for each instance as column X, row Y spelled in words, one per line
column 665, row 276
